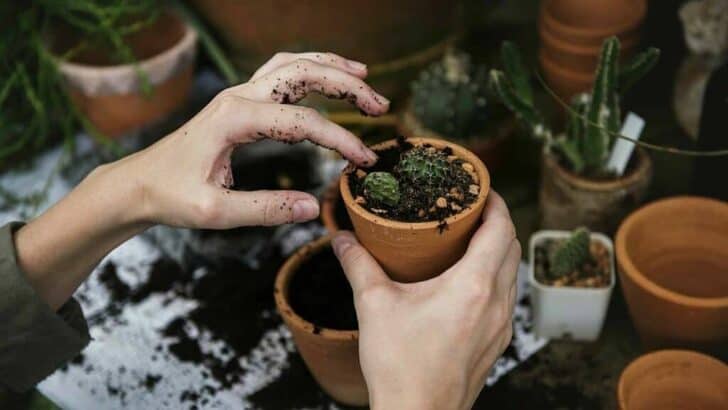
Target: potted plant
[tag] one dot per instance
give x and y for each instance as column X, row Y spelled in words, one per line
column 577, row 188
column 134, row 68
column 417, row 208
column 450, row 100
column 571, row 276
column 315, row 301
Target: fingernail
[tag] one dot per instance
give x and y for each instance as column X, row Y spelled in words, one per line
column 305, row 210
column 371, row 156
column 381, row 99
column 341, row 242
column 356, row 65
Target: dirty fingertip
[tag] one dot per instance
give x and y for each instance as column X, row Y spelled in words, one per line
column 341, row 241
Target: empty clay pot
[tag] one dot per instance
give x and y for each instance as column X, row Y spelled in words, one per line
column 572, row 33
column 416, row 251
column 567, row 200
column 331, row 355
column 111, row 95
column 672, row 257
column 674, row 379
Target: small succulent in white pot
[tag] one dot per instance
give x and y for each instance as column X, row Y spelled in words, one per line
column 571, row 275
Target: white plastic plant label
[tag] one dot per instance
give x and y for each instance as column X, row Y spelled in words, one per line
column 622, row 150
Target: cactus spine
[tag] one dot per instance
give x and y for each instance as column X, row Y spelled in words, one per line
column 424, row 167
column 381, row 188
column 571, row 254
column 449, row 96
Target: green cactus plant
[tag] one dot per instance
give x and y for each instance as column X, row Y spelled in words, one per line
column 381, row 188
column 424, row 167
column 593, row 117
column 571, row 253
column 449, row 97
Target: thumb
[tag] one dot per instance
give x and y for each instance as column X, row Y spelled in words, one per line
column 266, row 208
column 360, row 267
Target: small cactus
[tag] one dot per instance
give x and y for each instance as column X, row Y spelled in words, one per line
column 571, row 254
column 449, row 96
column 381, row 188
column 423, row 166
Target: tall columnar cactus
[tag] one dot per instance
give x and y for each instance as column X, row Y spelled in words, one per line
column 594, row 118
column 570, row 254
column 424, row 167
column 381, row 188
column 449, row 96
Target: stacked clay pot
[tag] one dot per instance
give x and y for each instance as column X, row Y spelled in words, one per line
column 572, row 32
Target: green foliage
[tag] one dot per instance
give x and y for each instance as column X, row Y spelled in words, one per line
column 424, row 167
column 449, row 96
column 571, row 253
column 381, row 188
column 593, row 117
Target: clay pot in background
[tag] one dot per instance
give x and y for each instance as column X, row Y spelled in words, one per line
column 572, row 33
column 673, row 379
column 416, row 251
column 363, row 31
column 331, row 355
column 489, row 147
column 111, row 96
column 333, row 211
column 567, row 200
column 672, row 256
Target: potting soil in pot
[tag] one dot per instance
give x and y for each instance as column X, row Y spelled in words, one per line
column 320, row 293
column 433, row 184
column 594, row 273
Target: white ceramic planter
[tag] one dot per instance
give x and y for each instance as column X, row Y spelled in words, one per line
column 572, row 312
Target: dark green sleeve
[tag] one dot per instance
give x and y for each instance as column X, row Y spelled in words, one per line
column 34, row 340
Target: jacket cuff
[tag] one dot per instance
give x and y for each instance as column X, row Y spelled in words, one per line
column 34, row 340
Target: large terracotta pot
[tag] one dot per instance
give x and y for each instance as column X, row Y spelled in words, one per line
column 111, row 95
column 572, row 32
column 568, row 201
column 331, row 355
column 395, row 39
column 673, row 263
column 416, row 251
column 674, row 379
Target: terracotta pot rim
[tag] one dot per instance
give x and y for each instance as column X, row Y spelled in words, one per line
column 542, row 234
column 458, row 150
column 408, row 124
column 628, row 268
column 283, row 279
column 655, row 356
column 188, row 40
column 644, row 164
column 588, row 32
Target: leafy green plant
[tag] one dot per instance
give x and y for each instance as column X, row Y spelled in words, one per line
column 449, row 96
column 381, row 188
column 571, row 253
column 594, row 117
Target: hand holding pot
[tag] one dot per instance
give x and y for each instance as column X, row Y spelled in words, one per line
column 431, row 344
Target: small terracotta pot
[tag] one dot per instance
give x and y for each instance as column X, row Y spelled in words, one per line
column 572, row 32
column 673, row 263
column 674, row 379
column 416, row 251
column 331, row 355
column 111, row 96
column 489, row 148
column 567, row 200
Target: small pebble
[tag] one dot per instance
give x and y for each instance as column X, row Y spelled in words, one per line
column 455, row 207
column 360, row 200
column 452, row 158
column 360, row 173
column 431, row 150
column 441, row 202
column 474, row 189
column 468, row 167
column 421, row 213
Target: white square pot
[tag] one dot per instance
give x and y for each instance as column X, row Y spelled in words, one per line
column 564, row 311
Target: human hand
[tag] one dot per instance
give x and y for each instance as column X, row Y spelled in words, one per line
column 184, row 179
column 431, row 344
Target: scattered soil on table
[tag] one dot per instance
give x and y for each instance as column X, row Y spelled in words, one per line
column 320, row 293
column 419, row 203
column 594, row 273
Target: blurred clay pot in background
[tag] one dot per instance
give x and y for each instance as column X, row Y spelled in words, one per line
column 333, row 210
column 416, row 251
column 111, row 95
column 673, row 379
column 672, row 256
column 331, row 355
column 567, row 200
column 572, row 32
